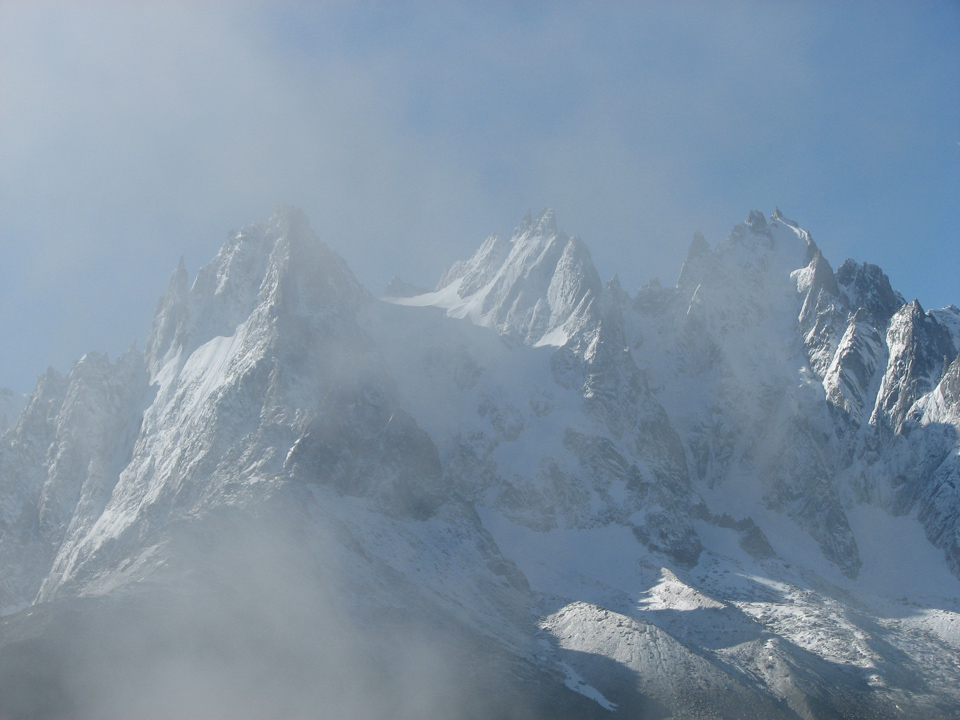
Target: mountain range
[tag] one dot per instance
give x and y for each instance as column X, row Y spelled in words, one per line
column 526, row 493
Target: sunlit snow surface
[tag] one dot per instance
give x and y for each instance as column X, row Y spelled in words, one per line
column 647, row 496
column 731, row 605
column 726, row 603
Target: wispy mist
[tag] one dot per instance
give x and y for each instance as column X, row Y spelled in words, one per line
column 262, row 614
column 131, row 134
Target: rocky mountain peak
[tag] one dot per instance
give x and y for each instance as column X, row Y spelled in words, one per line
column 817, row 283
column 757, row 221
column 918, row 345
column 479, row 270
column 698, row 246
column 783, row 243
column 289, row 221
column 281, row 266
column 538, row 287
column 695, row 267
column 864, row 285
column 525, row 225
column 543, row 225
column 546, row 222
column 822, row 278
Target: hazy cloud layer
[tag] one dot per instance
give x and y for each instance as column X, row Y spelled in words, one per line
column 133, row 133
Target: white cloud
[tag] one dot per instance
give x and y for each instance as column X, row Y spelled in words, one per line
column 132, row 133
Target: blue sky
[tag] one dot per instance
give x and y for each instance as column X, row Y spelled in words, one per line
column 134, row 133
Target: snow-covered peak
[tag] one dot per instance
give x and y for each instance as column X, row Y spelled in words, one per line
column 289, row 220
column 817, row 284
column 539, row 287
column 949, row 317
column 476, row 272
column 698, row 263
column 756, row 260
column 750, row 279
column 544, row 224
column 817, row 276
column 866, row 286
column 920, row 350
column 279, row 266
column 781, row 238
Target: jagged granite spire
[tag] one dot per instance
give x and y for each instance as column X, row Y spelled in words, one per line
column 538, row 287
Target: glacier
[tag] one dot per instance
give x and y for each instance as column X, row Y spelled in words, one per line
column 526, row 493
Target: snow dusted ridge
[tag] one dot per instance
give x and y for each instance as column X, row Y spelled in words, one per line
column 734, row 497
column 540, row 287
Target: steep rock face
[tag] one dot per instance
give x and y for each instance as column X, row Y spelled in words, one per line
column 477, row 272
column 852, row 378
column 539, row 287
column 62, row 461
column 721, row 380
column 619, row 459
column 22, row 459
column 872, row 357
column 97, row 425
column 617, row 395
column 939, row 499
column 268, row 399
column 880, row 360
column 262, row 376
column 866, row 287
column 735, row 377
column 949, row 318
column 857, row 301
column 919, row 350
column 823, row 313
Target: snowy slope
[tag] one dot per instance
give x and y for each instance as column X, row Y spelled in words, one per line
column 538, row 287
column 735, row 497
column 789, row 385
